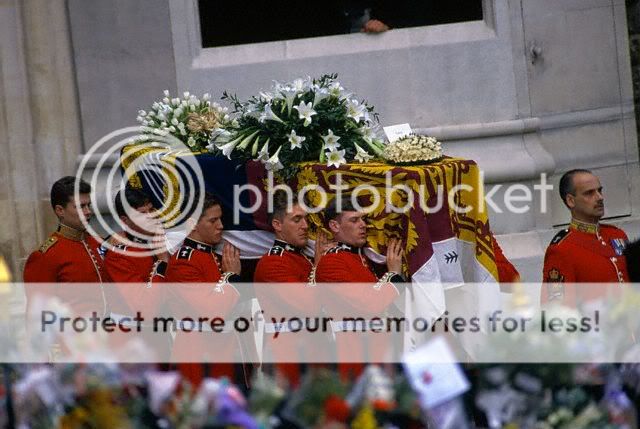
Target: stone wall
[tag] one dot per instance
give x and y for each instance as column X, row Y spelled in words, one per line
column 39, row 123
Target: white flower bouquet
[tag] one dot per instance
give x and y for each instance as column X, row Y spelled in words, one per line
column 413, row 149
column 303, row 120
column 192, row 120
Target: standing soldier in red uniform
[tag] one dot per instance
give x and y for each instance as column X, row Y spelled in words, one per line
column 587, row 251
column 136, row 261
column 210, row 293
column 367, row 298
column 70, row 255
column 285, row 264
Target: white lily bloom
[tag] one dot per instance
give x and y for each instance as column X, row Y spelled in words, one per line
column 362, row 156
column 366, row 133
column 263, row 155
column 336, row 89
column 305, row 111
column 191, row 142
column 301, row 85
column 289, row 94
column 186, row 94
column 277, row 87
column 174, row 121
column 296, row 140
column 297, row 84
column 335, row 158
column 266, row 96
column 166, row 92
column 355, row 110
column 346, row 96
column 206, row 96
column 268, row 115
column 273, row 163
column 319, row 94
column 331, row 141
column 228, row 148
column 140, row 119
column 166, row 100
column 175, row 101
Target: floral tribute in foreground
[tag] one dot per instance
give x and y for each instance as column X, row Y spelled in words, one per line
column 304, row 120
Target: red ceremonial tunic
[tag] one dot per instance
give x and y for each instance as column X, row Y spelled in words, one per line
column 146, row 271
column 137, row 288
column 507, row 273
column 583, row 253
column 209, row 295
column 68, row 256
column 367, row 298
column 283, row 300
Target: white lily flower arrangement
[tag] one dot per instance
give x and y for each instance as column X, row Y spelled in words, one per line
column 191, row 119
column 413, row 149
column 303, row 120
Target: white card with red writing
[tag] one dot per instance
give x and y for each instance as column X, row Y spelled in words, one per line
column 434, row 373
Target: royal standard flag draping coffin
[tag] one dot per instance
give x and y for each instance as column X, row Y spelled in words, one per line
column 163, row 174
column 445, row 248
column 446, row 245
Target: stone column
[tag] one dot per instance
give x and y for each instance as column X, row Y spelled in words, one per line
column 39, row 121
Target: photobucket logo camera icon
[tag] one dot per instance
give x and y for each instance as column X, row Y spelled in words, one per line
column 126, row 158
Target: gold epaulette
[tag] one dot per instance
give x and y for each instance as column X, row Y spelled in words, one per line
column 47, row 244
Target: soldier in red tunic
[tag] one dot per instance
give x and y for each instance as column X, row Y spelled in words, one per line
column 70, row 255
column 292, row 289
column 210, row 294
column 136, row 261
column 368, row 297
column 587, row 251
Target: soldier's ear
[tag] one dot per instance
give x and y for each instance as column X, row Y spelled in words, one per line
column 334, row 226
column 276, row 224
column 571, row 201
column 59, row 211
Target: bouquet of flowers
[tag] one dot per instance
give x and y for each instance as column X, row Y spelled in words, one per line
column 192, row 120
column 413, row 149
column 303, row 120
